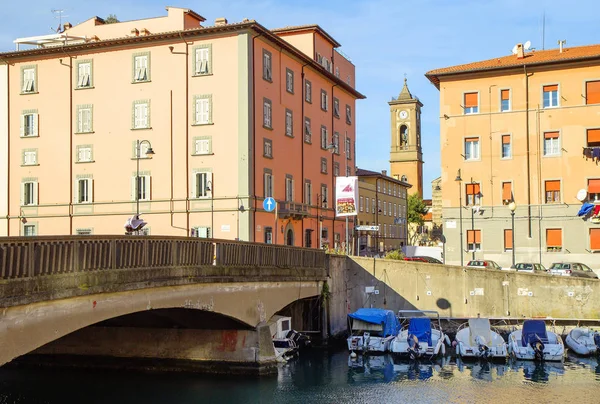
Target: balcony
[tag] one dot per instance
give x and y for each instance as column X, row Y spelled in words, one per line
column 292, row 210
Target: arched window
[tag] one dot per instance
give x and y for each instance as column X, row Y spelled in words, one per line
column 404, row 136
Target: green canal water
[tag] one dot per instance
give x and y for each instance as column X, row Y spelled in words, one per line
column 318, row 377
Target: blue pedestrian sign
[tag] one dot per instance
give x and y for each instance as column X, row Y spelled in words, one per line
column 269, row 204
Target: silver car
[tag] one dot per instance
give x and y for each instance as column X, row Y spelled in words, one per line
column 530, row 267
column 572, row 269
column 483, row 264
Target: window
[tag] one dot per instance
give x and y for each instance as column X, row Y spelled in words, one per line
column 84, row 74
column 384, row 208
column 336, row 169
column 84, row 232
column 289, row 123
column 553, row 240
column 595, row 239
column 268, row 235
column 337, row 72
column 308, row 193
column 348, row 171
column 141, row 67
column 348, row 114
column 84, row 154
column 202, row 185
column 361, row 203
column 84, row 119
column 552, row 191
column 308, row 91
column 324, row 198
column 308, row 238
column 594, row 189
column 29, row 123
column 29, row 193
column 201, row 232
column 267, row 65
column 504, row 100
column 592, row 92
column 550, row 96
column 29, row 230
column 471, row 101
column 506, row 147
column 307, row 130
column 289, row 188
column 141, row 114
column 474, row 240
column 324, row 100
column 348, row 154
column 507, row 194
column 593, row 137
column 289, row 81
column 29, row 157
column 29, row 79
column 268, row 186
column 202, row 145
column 473, row 193
column 267, row 148
column 366, row 205
column 472, row 148
column 84, row 190
column 141, row 186
column 323, row 165
column 395, row 210
column 267, row 114
column 203, row 109
column 336, row 143
column 202, row 60
column 373, row 205
column 336, row 107
column 551, row 144
column 324, row 137
column 508, row 245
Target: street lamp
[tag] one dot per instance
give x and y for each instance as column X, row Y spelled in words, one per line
column 458, row 179
column 209, row 188
column 138, row 153
column 513, row 206
column 321, row 199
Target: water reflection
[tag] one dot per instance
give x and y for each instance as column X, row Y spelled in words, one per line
column 539, row 372
column 482, row 370
column 577, row 362
column 386, row 368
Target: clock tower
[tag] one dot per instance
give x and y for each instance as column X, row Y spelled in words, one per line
column 406, row 157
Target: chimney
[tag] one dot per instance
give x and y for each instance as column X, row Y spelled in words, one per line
column 135, row 32
column 561, row 42
column 145, row 32
column 220, row 21
column 520, row 54
column 383, row 172
column 66, row 26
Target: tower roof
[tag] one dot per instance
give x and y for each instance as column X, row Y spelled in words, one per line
column 405, row 97
column 405, row 93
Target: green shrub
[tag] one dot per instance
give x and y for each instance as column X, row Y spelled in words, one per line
column 394, row 255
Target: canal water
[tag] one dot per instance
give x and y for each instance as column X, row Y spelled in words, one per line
column 318, row 377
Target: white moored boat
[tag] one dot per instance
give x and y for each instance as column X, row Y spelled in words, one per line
column 372, row 330
column 478, row 340
column 418, row 338
column 583, row 341
column 534, row 342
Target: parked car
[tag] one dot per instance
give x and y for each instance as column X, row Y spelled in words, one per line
column 572, row 269
column 423, row 258
column 530, row 267
column 484, row 264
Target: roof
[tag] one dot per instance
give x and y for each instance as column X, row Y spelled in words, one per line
column 308, row 27
column 73, row 49
column 534, row 58
column 360, row 172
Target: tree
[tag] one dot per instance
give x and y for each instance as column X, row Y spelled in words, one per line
column 416, row 210
column 111, row 19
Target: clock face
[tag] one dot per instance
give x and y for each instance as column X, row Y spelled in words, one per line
column 403, row 114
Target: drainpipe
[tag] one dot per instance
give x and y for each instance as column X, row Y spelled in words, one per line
column 70, row 66
column 254, row 143
column 8, row 147
column 527, row 154
column 333, row 166
column 302, row 95
column 187, row 142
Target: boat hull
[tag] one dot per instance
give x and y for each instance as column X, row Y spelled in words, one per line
column 553, row 351
column 581, row 341
column 497, row 349
column 369, row 345
column 400, row 347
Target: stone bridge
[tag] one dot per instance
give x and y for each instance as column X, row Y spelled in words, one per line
column 192, row 303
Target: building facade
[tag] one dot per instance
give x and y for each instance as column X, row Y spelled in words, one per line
column 525, row 129
column 382, row 203
column 3, row 149
column 234, row 113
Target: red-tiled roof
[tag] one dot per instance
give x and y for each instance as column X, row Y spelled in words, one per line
column 545, row 57
column 361, row 172
column 308, row 27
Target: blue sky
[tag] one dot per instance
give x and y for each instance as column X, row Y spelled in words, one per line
column 385, row 39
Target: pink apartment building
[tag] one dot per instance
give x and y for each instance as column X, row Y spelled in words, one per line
column 234, row 113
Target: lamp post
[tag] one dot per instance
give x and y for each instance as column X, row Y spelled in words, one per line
column 513, row 206
column 138, row 152
column 209, row 188
column 320, row 201
column 458, row 179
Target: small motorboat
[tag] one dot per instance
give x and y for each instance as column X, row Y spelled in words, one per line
column 583, row 341
column 477, row 340
column 287, row 342
column 418, row 338
column 372, row 330
column 534, row 342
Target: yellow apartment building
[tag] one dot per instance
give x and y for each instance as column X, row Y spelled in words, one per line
column 382, row 206
column 234, row 113
column 522, row 128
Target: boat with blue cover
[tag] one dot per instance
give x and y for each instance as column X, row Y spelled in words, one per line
column 419, row 337
column 535, row 342
column 372, row 330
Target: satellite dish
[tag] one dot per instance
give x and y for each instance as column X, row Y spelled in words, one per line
column 527, row 45
column 581, row 195
column 514, row 50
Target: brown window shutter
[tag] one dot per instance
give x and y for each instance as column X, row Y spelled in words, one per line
column 470, row 236
column 505, row 94
column 593, row 135
column 505, row 139
column 476, row 189
column 551, row 135
column 553, row 87
column 470, row 100
column 506, row 191
column 592, row 92
column 477, row 236
column 470, row 189
column 554, row 237
column 594, row 186
column 508, row 238
column 471, row 139
column 553, row 185
column 594, row 239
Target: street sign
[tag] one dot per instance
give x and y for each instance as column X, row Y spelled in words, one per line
column 367, row 228
column 269, row 204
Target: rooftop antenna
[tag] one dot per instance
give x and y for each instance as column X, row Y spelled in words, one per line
column 58, row 14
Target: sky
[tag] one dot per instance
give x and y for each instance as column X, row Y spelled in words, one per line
column 385, row 39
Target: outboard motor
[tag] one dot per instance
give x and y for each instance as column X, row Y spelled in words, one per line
column 413, row 347
column 597, row 341
column 484, row 350
column 538, row 348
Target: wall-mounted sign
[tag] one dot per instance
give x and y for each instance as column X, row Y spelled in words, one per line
column 346, row 196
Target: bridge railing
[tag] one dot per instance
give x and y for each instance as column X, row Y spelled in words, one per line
column 24, row 257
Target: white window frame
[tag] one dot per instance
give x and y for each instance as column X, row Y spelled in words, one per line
column 85, row 154
column 509, row 100
column 29, row 78
column 268, row 148
column 84, row 74
column 509, row 155
column 203, row 60
column 324, row 197
column 336, row 107
column 471, row 110
column 267, row 114
column 202, row 231
column 551, row 104
column 324, row 100
column 289, row 123
column 307, row 130
column 268, row 184
column 29, row 124
column 551, row 146
column 200, row 185
column 324, row 135
column 145, row 180
column 289, row 189
column 348, row 149
column 308, row 193
column 348, row 114
column 30, row 225
column 30, row 157
column 202, row 146
column 203, row 110
column 367, row 203
column 308, row 91
column 85, row 190
column 141, row 115
column 29, row 193
column 472, row 149
column 289, row 80
column 267, row 65
column 361, row 203
column 85, row 119
column 323, row 165
column 141, row 67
